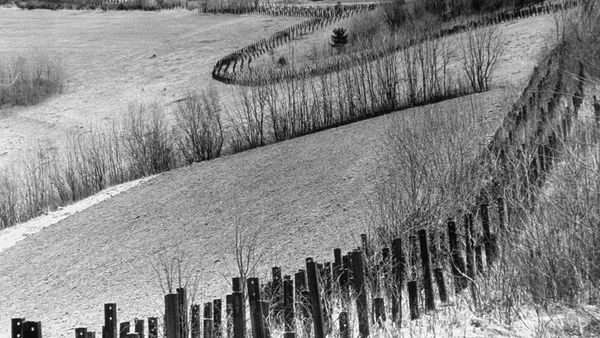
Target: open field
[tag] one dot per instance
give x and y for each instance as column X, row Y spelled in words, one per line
column 112, row 59
column 306, row 195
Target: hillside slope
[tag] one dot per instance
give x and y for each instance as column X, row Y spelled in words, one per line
column 307, row 195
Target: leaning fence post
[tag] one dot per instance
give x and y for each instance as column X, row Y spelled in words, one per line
column 360, row 289
column 255, row 308
column 441, row 284
column 426, row 265
column 315, row 296
column 110, row 320
column 17, row 327
column 413, row 300
column 458, row 265
column 490, row 251
column 469, row 246
column 172, row 316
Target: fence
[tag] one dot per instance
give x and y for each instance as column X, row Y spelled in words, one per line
column 433, row 260
column 226, row 69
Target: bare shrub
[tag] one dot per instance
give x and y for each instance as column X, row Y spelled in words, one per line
column 147, row 140
column 27, row 80
column 198, row 119
column 482, row 50
column 430, row 170
column 248, row 121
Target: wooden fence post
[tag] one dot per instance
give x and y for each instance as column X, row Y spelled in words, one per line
column 490, row 250
column 139, row 327
column 469, row 246
column 413, row 300
column 239, row 315
column 124, row 329
column 110, row 320
column 426, row 265
column 32, row 330
column 229, row 315
column 81, row 332
column 441, row 284
column 195, row 321
column 183, row 320
column 258, row 330
column 265, row 313
column 152, row 327
column 397, row 273
column 276, row 294
column 379, row 311
column 288, row 307
column 337, row 265
column 217, row 318
column 479, row 259
column 458, row 265
column 315, row 296
column 208, row 320
column 344, row 327
column 172, row 316
column 362, row 310
column 17, row 327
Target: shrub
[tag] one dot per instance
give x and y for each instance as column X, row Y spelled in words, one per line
column 481, row 50
column 148, row 143
column 27, row 80
column 198, row 119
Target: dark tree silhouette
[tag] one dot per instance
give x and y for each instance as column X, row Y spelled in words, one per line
column 339, row 37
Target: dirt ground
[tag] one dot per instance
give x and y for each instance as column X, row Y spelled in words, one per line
column 304, row 196
column 112, row 59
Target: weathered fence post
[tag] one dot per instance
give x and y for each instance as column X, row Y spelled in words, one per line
column 397, row 273
column 265, row 312
column 81, row 332
column 172, row 316
column 152, row 327
column 208, row 320
column 479, row 259
column 315, row 296
column 195, row 321
column 17, row 327
column 426, row 265
column 361, row 293
column 258, row 330
column 229, row 315
column 344, row 327
column 469, row 246
column 123, row 329
column 110, row 320
column 441, row 284
column 288, row 307
column 32, row 330
column 379, row 311
column 139, row 327
column 490, row 250
column 413, row 300
column 337, row 265
column 458, row 265
column 182, row 300
column 217, row 315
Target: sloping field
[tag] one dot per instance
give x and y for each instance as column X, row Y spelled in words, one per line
column 115, row 58
column 307, row 196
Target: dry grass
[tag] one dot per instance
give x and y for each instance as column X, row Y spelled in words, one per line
column 30, row 78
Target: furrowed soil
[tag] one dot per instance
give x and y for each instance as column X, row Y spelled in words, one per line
column 304, row 197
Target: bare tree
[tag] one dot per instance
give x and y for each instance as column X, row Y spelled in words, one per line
column 482, row 50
